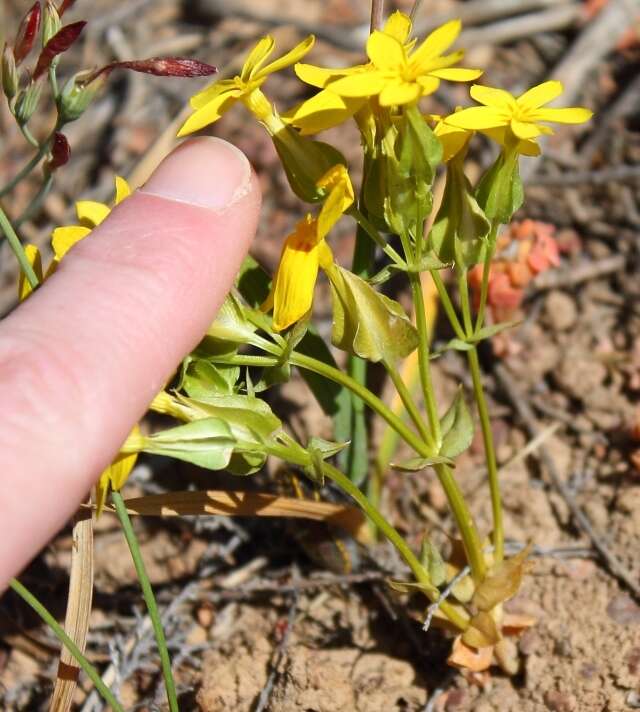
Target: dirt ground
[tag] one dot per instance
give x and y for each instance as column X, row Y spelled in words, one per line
column 253, row 622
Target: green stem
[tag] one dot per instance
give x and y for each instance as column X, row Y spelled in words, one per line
column 400, row 544
column 362, row 392
column 29, row 166
column 18, row 249
column 410, row 405
column 24, row 129
column 147, row 592
column 447, row 305
column 486, row 270
column 424, row 365
column 465, row 306
column 371, row 231
column 36, row 201
column 62, row 636
column 490, row 455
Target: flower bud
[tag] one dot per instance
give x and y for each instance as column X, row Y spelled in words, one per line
column 9, row 73
column 60, row 152
column 27, row 33
column 50, row 22
column 75, row 97
column 27, row 102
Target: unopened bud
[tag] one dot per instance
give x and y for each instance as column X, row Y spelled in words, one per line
column 9, row 73
column 50, row 22
column 27, row 102
column 64, row 6
column 75, row 97
column 27, row 32
column 60, row 152
column 59, row 43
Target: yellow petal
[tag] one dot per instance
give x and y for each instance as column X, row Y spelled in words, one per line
column 115, row 475
column 385, row 52
column 477, row 117
column 32, row 253
column 398, row 26
column 102, row 488
column 64, row 238
column 257, row 57
column 452, row 139
column 123, row 190
column 213, row 91
column 209, row 113
column 400, row 93
column 91, row 213
column 321, row 76
column 526, row 148
column 524, row 129
column 291, row 57
column 428, row 84
column 496, row 98
column 456, row 74
column 437, row 42
column 569, row 115
column 321, row 112
column 296, row 277
column 361, row 84
column 336, row 180
column 535, row 97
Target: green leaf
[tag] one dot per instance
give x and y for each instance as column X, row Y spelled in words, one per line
column 455, row 345
column 201, row 377
column 417, row 464
column 366, row 323
column 500, row 192
column 457, row 428
column 232, row 323
column 207, row 443
column 431, row 559
column 253, row 282
column 488, row 331
column 460, row 228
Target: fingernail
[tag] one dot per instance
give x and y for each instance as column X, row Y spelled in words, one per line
column 204, row 171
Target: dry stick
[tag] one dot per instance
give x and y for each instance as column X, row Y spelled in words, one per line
column 606, row 175
column 583, row 272
column 580, row 519
column 595, row 42
column 377, row 14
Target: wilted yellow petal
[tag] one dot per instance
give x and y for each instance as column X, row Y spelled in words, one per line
column 91, row 212
column 400, row 93
column 257, row 57
column 569, row 115
column 490, row 96
column 385, row 52
column 336, row 180
column 296, row 277
column 123, row 189
column 64, row 238
column 398, row 25
column 115, row 475
column 477, row 117
column 437, row 42
column 541, row 94
column 32, row 253
column 291, row 57
column 524, row 130
column 361, row 84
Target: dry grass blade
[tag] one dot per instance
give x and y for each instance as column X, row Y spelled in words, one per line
column 249, row 504
column 76, row 621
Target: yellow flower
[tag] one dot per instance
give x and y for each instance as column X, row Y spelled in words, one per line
column 115, row 475
column 507, row 118
column 212, row 102
column 90, row 214
column 306, row 250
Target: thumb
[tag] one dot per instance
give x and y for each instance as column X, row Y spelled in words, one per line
column 82, row 358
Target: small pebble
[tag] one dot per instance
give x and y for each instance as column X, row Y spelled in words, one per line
column 624, row 610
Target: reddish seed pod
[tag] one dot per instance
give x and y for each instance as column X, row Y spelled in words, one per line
column 59, row 43
column 64, row 6
column 60, row 151
column 27, row 33
column 159, row 67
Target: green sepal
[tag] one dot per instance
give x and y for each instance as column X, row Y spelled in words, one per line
column 320, row 450
column 461, row 227
column 366, row 323
column 500, row 192
column 456, row 427
column 417, row 464
column 200, row 377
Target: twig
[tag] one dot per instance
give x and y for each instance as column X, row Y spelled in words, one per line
column 577, row 274
column 606, row 175
column 580, row 519
column 377, row 14
column 265, row 695
column 446, row 592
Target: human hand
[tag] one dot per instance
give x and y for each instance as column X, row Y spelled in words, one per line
column 83, row 357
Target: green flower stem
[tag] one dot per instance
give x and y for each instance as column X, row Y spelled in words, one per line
column 490, row 455
column 418, row 570
column 28, row 135
column 410, row 405
column 447, row 305
column 362, row 392
column 36, row 202
column 371, row 231
column 484, row 289
column 30, row 165
column 147, row 592
column 60, row 633
column 465, row 306
column 423, row 357
column 18, row 249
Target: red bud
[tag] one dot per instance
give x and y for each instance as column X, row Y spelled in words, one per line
column 59, row 43
column 160, row 67
column 27, row 33
column 64, row 6
column 60, row 151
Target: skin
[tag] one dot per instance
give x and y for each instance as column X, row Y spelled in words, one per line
column 82, row 358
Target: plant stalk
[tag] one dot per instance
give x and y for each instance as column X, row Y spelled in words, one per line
column 18, row 249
